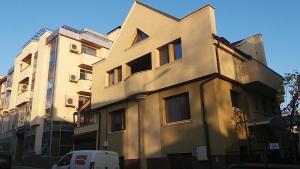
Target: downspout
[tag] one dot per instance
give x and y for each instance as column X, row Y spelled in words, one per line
column 204, row 119
column 99, row 131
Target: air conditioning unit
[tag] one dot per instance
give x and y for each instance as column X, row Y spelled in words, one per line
column 73, row 78
column 70, row 102
column 24, row 87
column 74, row 48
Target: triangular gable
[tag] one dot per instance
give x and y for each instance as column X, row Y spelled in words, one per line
column 140, row 35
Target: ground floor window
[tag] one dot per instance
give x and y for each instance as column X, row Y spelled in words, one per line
column 177, row 108
column 118, row 120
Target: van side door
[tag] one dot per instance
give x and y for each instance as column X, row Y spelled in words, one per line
column 64, row 163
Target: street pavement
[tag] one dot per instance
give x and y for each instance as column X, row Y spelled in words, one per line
column 23, row 167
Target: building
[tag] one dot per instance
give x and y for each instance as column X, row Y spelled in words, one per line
column 171, row 93
column 8, row 119
column 52, row 77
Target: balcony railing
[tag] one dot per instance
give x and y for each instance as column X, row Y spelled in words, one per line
column 253, row 71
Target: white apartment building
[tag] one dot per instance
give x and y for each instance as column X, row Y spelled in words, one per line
column 52, row 77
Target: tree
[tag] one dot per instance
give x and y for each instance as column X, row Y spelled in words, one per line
column 289, row 99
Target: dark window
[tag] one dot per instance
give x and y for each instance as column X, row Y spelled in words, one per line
column 264, row 104
column 177, row 108
column 85, row 74
column 119, row 69
column 66, row 160
column 139, row 37
column 82, row 100
column 178, row 50
column 181, row 161
column 118, row 120
column 140, row 64
column 235, row 99
column 164, row 55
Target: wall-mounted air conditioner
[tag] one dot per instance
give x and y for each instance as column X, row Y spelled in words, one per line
column 70, row 102
column 24, row 87
column 74, row 48
column 73, row 78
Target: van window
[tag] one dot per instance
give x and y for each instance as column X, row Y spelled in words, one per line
column 66, row 160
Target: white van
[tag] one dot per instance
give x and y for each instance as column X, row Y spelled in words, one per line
column 89, row 159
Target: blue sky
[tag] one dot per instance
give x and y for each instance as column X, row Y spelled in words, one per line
column 278, row 21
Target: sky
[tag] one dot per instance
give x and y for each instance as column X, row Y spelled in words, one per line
column 278, row 21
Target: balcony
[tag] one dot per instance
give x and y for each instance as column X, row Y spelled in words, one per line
column 84, row 85
column 25, row 73
column 23, row 97
column 86, row 59
column 255, row 75
column 85, row 129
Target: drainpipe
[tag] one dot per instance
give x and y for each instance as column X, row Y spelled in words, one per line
column 143, row 162
column 99, row 131
column 204, row 119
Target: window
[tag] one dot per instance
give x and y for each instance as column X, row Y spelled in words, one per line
column 114, row 75
column 111, row 77
column 23, row 85
column 82, row 100
column 178, row 50
column 119, row 70
column 26, row 62
column 85, row 74
column 166, row 55
column 181, row 161
column 139, row 37
column 118, row 120
column 88, row 50
column 66, row 160
column 235, row 99
column 177, row 108
column 142, row 63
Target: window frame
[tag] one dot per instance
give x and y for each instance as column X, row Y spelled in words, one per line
column 170, row 50
column 188, row 108
column 123, row 125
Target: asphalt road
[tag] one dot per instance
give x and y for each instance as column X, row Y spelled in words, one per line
column 23, row 167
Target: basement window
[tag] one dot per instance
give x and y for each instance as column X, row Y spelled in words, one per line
column 142, row 63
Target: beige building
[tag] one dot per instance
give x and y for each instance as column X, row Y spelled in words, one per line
column 8, row 119
column 52, row 77
column 171, row 93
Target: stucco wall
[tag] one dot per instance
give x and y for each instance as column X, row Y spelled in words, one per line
column 198, row 59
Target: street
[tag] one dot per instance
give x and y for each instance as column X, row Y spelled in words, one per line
column 23, row 167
